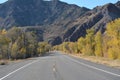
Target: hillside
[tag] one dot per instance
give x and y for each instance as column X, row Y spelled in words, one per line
column 55, row 21
column 96, row 18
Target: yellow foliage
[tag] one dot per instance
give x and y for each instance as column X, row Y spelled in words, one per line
column 14, row 50
column 113, row 43
column 89, row 43
column 23, row 51
column 43, row 47
column 112, row 53
column 3, row 32
column 98, row 44
column 81, row 44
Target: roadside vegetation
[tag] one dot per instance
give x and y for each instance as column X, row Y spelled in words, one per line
column 17, row 43
column 105, row 45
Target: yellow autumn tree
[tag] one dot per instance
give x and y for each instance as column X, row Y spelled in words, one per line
column 2, row 32
column 98, row 44
column 43, row 47
column 14, row 51
column 22, row 53
column 89, row 43
column 81, row 45
column 113, row 33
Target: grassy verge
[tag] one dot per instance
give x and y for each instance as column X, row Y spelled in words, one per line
column 5, row 62
column 99, row 60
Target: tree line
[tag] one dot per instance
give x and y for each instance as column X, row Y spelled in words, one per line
column 97, row 44
column 17, row 43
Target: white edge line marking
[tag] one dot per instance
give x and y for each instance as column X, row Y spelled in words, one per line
column 18, row 69
column 92, row 67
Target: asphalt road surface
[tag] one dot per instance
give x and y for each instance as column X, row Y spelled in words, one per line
column 57, row 66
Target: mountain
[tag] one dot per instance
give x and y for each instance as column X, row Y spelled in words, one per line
column 96, row 18
column 51, row 16
column 37, row 12
column 55, row 21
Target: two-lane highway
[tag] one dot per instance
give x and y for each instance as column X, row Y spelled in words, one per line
column 57, row 66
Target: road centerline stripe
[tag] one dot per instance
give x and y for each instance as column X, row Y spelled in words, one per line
column 18, row 69
column 93, row 67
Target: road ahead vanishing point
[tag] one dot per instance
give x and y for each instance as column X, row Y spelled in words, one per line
column 57, row 66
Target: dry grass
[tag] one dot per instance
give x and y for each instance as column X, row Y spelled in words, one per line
column 99, row 60
column 3, row 62
column 7, row 61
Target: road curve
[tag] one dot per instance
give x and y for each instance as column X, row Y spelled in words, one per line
column 57, row 66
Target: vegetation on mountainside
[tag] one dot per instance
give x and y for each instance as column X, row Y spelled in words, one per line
column 102, row 45
column 18, row 43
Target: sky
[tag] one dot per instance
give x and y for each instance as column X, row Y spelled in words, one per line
column 85, row 3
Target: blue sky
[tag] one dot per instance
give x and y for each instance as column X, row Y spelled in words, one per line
column 90, row 3
column 1, row 1
column 85, row 3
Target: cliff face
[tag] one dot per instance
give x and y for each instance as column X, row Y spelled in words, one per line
column 96, row 18
column 55, row 21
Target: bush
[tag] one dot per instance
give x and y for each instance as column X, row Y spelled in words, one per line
column 112, row 53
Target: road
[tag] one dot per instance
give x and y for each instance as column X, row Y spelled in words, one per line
column 57, row 66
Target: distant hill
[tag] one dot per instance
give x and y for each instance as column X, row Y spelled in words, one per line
column 55, row 21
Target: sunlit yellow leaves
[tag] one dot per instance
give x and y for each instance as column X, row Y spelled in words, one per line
column 113, row 44
column 107, row 45
column 2, row 32
column 98, row 44
column 14, row 50
column 43, row 47
column 16, row 43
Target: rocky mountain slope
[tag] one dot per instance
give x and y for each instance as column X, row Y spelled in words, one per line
column 95, row 18
column 55, row 21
